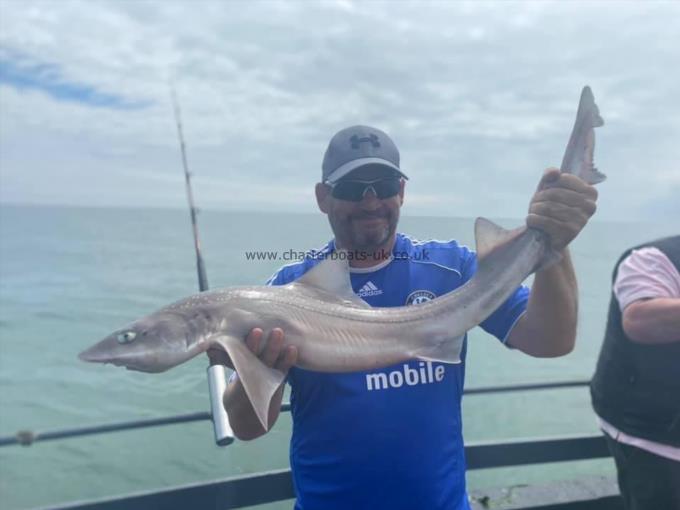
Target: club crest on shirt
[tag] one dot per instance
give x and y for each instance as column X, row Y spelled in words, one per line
column 419, row 296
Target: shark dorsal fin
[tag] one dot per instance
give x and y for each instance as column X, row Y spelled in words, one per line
column 331, row 276
column 488, row 236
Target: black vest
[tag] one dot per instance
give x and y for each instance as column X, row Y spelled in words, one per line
column 636, row 387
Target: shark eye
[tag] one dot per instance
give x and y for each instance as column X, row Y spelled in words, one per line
column 126, row 337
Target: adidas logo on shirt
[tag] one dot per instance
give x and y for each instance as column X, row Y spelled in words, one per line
column 369, row 289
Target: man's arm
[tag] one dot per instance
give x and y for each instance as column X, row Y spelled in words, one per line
column 548, row 327
column 653, row 321
column 560, row 207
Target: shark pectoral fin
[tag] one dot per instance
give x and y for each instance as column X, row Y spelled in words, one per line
column 446, row 350
column 489, row 236
column 331, row 276
column 259, row 381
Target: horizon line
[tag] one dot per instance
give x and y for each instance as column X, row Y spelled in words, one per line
column 37, row 205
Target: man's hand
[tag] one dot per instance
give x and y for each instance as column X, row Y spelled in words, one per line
column 561, row 207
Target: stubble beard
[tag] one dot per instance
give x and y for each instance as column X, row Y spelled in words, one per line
column 364, row 240
column 372, row 240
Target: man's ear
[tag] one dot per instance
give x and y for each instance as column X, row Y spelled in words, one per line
column 402, row 186
column 323, row 193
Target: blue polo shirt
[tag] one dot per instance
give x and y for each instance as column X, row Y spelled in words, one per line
column 391, row 438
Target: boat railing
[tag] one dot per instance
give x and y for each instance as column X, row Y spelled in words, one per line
column 28, row 437
column 272, row 486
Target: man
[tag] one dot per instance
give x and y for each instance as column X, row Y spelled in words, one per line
column 636, row 387
column 368, row 441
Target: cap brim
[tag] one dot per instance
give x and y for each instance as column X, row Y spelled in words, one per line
column 350, row 166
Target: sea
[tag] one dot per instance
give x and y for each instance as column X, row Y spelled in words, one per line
column 71, row 275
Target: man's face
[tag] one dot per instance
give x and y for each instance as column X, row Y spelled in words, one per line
column 369, row 224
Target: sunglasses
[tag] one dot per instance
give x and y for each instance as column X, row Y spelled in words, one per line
column 354, row 191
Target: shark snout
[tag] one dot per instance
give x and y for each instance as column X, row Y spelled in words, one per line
column 95, row 354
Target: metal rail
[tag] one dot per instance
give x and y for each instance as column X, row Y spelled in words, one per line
column 267, row 487
column 28, row 437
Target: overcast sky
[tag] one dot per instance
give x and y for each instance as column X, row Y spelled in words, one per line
column 479, row 97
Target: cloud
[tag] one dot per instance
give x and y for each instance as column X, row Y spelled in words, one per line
column 21, row 73
column 479, row 97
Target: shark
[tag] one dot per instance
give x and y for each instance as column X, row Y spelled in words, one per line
column 333, row 329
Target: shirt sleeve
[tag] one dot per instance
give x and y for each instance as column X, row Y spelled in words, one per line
column 501, row 321
column 646, row 273
column 276, row 279
column 284, row 275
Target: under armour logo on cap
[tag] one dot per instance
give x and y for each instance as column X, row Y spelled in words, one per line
column 372, row 138
column 357, row 146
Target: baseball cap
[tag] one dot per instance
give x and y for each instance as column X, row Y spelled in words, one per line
column 356, row 146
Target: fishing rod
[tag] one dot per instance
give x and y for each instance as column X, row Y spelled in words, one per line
column 217, row 377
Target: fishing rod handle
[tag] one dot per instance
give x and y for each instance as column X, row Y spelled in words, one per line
column 217, row 384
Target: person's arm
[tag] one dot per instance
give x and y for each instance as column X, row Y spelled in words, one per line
column 548, row 327
column 647, row 287
column 560, row 207
column 653, row 321
column 242, row 417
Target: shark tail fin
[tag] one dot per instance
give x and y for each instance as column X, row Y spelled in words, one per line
column 587, row 104
column 593, row 175
column 578, row 158
column 260, row 382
